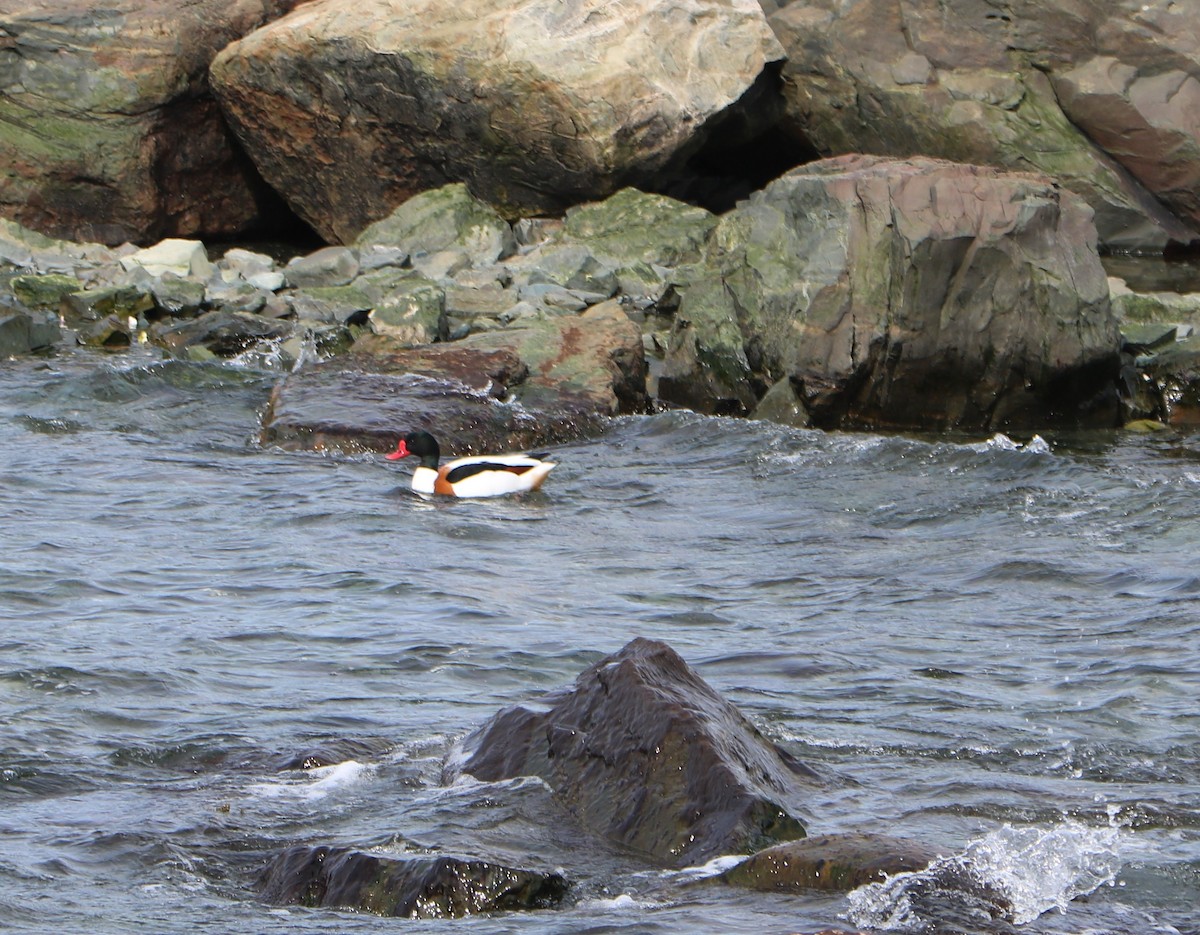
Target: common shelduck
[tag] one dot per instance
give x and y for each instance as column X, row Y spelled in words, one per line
column 484, row 476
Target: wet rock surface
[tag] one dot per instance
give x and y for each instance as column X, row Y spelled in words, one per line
column 830, row 862
column 416, row 888
column 644, row 753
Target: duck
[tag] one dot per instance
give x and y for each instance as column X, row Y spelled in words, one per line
column 481, row 476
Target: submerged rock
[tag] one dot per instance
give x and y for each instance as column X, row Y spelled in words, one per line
column 418, row 888
column 643, row 752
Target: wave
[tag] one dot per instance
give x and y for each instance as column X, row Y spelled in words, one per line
column 1011, row 874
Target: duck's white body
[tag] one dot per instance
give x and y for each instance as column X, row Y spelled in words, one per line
column 487, row 476
column 482, row 476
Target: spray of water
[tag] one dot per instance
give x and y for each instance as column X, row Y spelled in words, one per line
column 1014, row 874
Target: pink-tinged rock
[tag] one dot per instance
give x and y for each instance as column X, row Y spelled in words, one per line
column 351, row 109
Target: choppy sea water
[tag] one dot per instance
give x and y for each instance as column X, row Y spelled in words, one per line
column 991, row 644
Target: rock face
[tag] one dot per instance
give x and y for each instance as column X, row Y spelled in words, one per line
column 429, row 888
column 1101, row 96
column 645, row 753
column 915, row 293
column 351, row 110
column 107, row 130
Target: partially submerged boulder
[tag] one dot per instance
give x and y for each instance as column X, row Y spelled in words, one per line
column 916, row 293
column 366, row 401
column 416, row 888
column 547, row 381
column 350, row 110
column 645, row 753
column 830, row 862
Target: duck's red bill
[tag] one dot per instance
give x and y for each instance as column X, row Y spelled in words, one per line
column 400, row 452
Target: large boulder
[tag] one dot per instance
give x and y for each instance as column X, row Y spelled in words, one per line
column 914, row 293
column 107, row 129
column 417, row 888
column 349, row 110
column 976, row 82
column 645, row 753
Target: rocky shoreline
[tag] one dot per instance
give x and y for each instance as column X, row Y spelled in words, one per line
column 857, row 292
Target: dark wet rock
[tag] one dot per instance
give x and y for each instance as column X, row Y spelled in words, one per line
column 646, row 754
column 365, row 401
column 328, row 753
column 24, row 329
column 107, row 131
column 221, row 333
column 418, row 888
column 915, row 293
column 1085, row 92
column 519, row 125
column 830, row 862
column 1175, row 372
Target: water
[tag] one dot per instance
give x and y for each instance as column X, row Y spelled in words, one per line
column 992, row 644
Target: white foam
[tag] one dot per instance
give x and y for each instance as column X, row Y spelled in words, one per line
column 1001, row 442
column 316, row 783
column 1031, row 870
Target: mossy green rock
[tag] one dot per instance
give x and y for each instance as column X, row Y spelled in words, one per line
column 45, row 291
column 442, row 219
column 632, row 227
column 413, row 312
column 906, row 293
column 94, row 304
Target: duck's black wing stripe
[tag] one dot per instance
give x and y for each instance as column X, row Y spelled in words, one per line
column 463, row 471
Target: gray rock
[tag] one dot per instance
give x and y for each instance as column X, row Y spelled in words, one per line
column 329, row 266
column 1018, row 86
column 910, row 293
column 446, row 218
column 23, row 330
